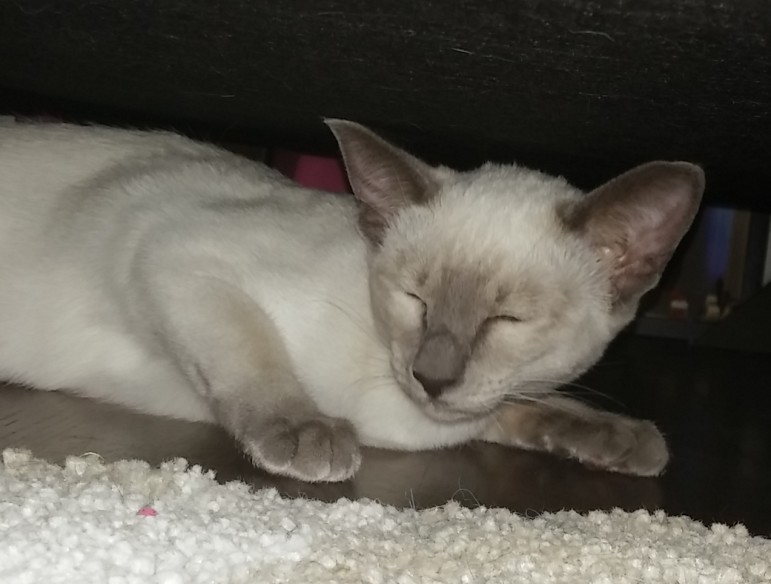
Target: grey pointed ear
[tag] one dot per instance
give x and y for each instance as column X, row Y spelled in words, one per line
column 384, row 178
column 636, row 221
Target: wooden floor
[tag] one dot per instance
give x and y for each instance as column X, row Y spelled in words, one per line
column 714, row 406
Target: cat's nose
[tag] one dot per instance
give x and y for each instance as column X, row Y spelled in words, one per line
column 433, row 387
column 439, row 362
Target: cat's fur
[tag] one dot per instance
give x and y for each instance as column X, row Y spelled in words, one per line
column 438, row 307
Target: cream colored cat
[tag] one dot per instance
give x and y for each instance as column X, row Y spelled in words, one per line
column 436, row 307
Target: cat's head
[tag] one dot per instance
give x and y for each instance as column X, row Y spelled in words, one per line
column 503, row 283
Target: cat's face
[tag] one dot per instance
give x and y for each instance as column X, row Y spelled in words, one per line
column 503, row 283
column 484, row 295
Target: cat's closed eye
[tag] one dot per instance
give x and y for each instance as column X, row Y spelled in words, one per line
column 423, row 306
column 503, row 318
column 416, row 297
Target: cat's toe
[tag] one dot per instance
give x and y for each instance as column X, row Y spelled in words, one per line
column 649, row 454
column 634, row 447
column 318, row 449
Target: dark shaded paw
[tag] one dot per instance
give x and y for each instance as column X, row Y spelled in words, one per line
column 312, row 449
column 634, row 447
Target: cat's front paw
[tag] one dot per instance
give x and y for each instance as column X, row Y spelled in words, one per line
column 314, row 449
column 634, row 447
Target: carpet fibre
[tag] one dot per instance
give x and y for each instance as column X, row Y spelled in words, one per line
column 125, row 523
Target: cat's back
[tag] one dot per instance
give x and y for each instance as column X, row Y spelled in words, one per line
column 85, row 146
column 39, row 162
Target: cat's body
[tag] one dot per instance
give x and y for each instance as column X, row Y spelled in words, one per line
column 178, row 279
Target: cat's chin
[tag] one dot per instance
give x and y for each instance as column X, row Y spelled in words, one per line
column 447, row 413
column 452, row 414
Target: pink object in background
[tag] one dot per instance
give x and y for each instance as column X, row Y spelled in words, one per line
column 315, row 172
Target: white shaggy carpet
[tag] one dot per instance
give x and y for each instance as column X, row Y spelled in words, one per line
column 126, row 523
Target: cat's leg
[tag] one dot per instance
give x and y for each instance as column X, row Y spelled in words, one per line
column 233, row 354
column 595, row 438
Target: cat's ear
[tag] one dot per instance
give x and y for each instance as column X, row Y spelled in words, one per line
column 636, row 221
column 383, row 178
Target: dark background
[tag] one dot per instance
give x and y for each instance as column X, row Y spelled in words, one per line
column 580, row 88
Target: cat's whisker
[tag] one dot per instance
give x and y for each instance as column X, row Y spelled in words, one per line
column 586, row 398
column 371, row 382
column 524, row 399
column 497, row 423
column 572, row 384
column 375, row 382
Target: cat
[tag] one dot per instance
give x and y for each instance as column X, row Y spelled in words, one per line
column 432, row 308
